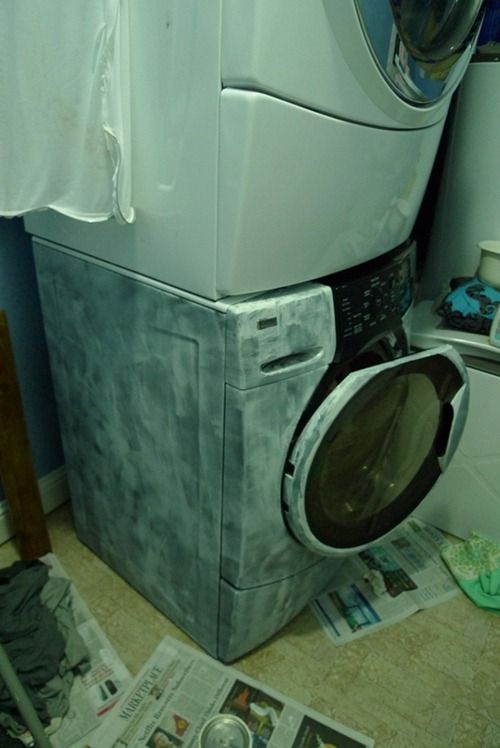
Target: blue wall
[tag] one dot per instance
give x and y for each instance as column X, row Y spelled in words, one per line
column 19, row 299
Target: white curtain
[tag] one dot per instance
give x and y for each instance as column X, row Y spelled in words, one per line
column 64, row 108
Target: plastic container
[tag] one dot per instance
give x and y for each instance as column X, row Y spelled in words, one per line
column 489, row 264
column 225, row 731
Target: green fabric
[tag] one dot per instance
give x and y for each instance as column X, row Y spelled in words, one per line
column 475, row 564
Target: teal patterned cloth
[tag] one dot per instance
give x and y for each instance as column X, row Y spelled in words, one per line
column 475, row 564
column 470, row 305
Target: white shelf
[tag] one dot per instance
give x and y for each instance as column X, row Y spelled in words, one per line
column 428, row 330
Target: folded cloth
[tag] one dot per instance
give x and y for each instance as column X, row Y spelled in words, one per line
column 470, row 305
column 475, row 564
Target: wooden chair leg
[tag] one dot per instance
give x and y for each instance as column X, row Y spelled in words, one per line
column 17, row 473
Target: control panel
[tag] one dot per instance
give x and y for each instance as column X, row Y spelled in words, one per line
column 370, row 302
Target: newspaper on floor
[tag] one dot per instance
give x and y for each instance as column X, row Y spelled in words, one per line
column 179, row 689
column 386, row 583
column 94, row 694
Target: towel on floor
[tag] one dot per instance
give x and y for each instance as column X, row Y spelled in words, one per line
column 475, row 564
column 38, row 631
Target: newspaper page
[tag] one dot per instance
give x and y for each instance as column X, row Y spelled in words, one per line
column 386, row 583
column 179, row 689
column 94, row 694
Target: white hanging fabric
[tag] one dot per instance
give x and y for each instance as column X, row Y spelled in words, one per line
column 64, row 108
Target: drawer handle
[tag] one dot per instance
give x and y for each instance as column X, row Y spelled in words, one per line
column 291, row 360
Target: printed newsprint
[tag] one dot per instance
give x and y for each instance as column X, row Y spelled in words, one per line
column 94, row 694
column 386, row 582
column 179, row 689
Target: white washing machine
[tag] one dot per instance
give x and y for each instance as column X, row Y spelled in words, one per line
column 225, row 457
column 276, row 142
column 467, row 497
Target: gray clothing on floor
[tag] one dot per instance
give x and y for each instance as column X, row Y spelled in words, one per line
column 38, row 630
column 28, row 631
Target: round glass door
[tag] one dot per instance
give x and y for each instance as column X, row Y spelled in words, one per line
column 422, row 47
column 434, row 30
column 373, row 450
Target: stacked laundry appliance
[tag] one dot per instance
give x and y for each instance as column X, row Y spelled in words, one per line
column 239, row 406
column 468, row 498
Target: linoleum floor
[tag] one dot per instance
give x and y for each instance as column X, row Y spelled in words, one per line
column 430, row 681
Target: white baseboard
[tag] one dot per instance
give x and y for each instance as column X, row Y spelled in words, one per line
column 53, row 492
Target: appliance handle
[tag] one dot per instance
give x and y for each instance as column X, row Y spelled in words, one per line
column 292, row 360
column 459, row 407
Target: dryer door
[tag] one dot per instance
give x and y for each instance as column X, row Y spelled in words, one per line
column 424, row 48
column 387, row 63
column 373, row 449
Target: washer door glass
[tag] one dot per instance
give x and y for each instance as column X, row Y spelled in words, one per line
column 432, row 30
column 373, row 449
column 421, row 46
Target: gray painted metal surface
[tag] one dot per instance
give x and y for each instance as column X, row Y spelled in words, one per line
column 176, row 421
